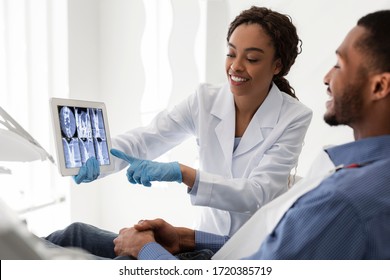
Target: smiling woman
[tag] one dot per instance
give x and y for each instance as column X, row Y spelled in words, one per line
column 251, row 62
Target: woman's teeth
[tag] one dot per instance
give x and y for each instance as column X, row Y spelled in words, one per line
column 238, row 79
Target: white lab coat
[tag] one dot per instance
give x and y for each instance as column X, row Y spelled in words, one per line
column 232, row 185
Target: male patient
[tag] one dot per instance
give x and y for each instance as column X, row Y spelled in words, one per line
column 347, row 216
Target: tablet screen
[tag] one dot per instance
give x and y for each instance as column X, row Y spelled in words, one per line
column 81, row 132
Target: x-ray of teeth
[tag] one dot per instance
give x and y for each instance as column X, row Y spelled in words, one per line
column 83, row 123
column 87, row 148
column 98, row 130
column 67, row 121
column 101, row 151
column 84, row 135
column 72, row 152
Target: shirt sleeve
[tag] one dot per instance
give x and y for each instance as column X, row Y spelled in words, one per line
column 154, row 251
column 213, row 242
column 203, row 240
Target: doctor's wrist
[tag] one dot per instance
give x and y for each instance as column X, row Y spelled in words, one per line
column 188, row 175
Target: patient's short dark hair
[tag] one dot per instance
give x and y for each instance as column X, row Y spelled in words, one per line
column 376, row 44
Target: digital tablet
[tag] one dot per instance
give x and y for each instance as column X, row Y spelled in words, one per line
column 80, row 131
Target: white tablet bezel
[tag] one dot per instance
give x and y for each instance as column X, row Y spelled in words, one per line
column 55, row 103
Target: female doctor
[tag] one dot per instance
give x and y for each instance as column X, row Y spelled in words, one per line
column 249, row 131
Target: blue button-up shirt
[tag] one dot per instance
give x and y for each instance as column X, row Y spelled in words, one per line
column 346, row 217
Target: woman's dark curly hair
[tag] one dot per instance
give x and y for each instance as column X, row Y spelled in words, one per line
column 283, row 35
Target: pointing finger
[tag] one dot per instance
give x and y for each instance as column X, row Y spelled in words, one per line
column 122, row 155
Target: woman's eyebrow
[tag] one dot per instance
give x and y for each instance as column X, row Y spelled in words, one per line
column 247, row 49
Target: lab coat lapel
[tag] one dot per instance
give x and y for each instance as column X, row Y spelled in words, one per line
column 265, row 117
column 223, row 109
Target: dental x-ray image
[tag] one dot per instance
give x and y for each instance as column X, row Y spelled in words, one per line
column 83, row 135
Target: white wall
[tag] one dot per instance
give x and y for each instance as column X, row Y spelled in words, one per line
column 105, row 63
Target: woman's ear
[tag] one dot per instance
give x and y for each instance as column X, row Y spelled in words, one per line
column 278, row 66
column 381, row 85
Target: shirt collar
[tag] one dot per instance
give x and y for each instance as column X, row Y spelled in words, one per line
column 361, row 151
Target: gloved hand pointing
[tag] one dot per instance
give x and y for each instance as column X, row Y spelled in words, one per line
column 88, row 172
column 145, row 171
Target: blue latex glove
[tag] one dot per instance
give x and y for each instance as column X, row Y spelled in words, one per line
column 144, row 171
column 88, row 172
